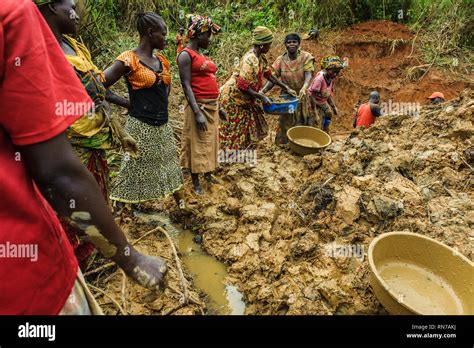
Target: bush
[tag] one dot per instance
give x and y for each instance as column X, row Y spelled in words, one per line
column 450, row 22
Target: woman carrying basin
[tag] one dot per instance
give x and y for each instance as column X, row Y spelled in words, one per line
column 295, row 68
column 245, row 123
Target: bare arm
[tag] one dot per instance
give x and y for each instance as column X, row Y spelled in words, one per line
column 277, row 82
column 73, row 192
column 114, row 73
column 114, row 98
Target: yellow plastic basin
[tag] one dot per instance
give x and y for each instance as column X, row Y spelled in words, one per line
column 306, row 140
column 414, row 274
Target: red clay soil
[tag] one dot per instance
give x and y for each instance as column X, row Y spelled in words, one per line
column 380, row 53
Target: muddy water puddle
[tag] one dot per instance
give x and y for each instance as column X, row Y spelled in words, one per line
column 208, row 273
column 421, row 289
column 307, row 142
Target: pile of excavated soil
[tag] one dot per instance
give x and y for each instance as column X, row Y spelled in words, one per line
column 380, row 55
column 274, row 223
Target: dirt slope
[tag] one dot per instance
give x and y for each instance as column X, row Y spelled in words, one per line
column 380, row 56
column 273, row 223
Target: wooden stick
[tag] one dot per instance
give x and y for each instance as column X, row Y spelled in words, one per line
column 327, row 181
column 145, row 235
column 191, row 298
column 110, row 297
column 465, row 162
column 106, row 280
column 185, row 294
column 185, row 299
column 124, row 283
column 101, row 268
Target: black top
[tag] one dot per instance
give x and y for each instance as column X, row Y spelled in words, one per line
column 149, row 105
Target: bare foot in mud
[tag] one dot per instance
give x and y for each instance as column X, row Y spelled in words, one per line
column 212, row 180
column 197, row 185
column 198, row 190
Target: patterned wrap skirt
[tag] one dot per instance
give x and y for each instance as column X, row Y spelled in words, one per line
column 155, row 173
column 245, row 126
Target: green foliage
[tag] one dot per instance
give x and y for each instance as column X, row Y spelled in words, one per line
column 109, row 25
column 445, row 31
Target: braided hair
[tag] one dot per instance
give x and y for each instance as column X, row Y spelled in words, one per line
column 148, row 20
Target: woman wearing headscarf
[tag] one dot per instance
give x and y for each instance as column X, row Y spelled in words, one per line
column 295, row 68
column 96, row 131
column 155, row 172
column 180, row 40
column 322, row 90
column 246, row 123
column 200, row 138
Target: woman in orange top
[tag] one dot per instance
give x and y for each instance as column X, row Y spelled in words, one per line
column 155, row 172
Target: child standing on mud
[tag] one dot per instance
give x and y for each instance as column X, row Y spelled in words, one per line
column 322, row 90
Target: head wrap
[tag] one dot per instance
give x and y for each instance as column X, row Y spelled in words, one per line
column 43, row 2
column 332, row 62
column 200, row 24
column 262, row 36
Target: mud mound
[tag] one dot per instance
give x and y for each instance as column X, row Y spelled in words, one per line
column 282, row 225
column 379, row 31
column 382, row 57
column 279, row 225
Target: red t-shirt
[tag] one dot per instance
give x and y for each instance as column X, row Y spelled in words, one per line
column 203, row 76
column 34, row 77
column 364, row 116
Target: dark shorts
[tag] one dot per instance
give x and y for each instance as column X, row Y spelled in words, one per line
column 326, row 122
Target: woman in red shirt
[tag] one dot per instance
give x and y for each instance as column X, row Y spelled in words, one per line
column 200, row 140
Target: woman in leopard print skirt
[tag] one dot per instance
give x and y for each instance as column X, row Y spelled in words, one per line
column 155, row 172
